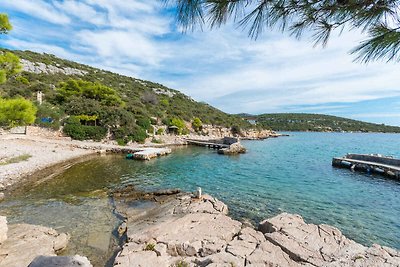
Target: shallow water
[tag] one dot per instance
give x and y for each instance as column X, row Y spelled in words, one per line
column 292, row 174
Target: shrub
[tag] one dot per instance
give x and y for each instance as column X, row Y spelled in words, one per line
column 138, row 134
column 197, row 124
column 181, row 125
column 76, row 130
column 156, row 141
column 153, row 121
column 129, row 133
column 143, row 122
column 164, row 102
column 149, row 98
column 22, row 80
column 121, row 142
column 150, row 247
column 160, row 131
column 16, row 112
column 235, row 130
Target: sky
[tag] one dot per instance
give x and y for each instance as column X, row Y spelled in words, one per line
column 223, row 67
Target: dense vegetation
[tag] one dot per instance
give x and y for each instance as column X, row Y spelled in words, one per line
column 16, row 112
column 319, row 123
column 98, row 101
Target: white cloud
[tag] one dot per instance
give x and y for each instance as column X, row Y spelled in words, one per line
column 120, row 46
column 38, row 9
column 82, row 11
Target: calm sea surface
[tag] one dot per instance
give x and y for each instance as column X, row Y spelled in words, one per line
column 287, row 174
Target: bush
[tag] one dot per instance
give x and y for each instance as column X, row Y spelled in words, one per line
column 181, row 125
column 156, row 141
column 129, row 133
column 197, row 124
column 16, row 112
column 235, row 130
column 22, row 80
column 143, row 122
column 76, row 130
column 121, row 142
column 160, row 131
column 138, row 135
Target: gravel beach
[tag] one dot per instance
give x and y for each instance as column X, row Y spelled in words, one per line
column 43, row 153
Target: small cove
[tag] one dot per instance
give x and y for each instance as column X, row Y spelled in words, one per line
column 292, row 174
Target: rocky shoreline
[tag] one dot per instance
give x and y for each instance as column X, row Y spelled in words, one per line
column 183, row 229
column 187, row 231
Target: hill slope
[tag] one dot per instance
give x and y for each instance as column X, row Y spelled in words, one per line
column 138, row 98
column 319, row 123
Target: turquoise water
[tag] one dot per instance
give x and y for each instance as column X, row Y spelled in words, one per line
column 292, row 174
column 287, row 174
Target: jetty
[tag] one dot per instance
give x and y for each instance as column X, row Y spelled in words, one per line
column 214, row 144
column 225, row 146
column 370, row 163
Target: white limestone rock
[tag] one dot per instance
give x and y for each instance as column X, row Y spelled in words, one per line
column 3, row 229
column 25, row 242
column 60, row 261
column 323, row 245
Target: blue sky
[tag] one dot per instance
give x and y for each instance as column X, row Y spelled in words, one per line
column 223, row 67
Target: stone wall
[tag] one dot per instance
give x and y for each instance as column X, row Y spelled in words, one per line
column 44, row 132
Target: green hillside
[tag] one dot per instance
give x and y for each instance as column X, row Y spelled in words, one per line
column 106, row 99
column 319, row 123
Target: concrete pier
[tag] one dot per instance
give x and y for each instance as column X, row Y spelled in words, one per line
column 379, row 164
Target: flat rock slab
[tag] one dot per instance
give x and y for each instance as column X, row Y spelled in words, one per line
column 151, row 152
column 197, row 232
column 323, row 245
column 25, row 242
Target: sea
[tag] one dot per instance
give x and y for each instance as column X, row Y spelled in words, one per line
column 291, row 174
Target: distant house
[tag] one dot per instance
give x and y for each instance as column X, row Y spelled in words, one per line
column 251, row 120
column 173, row 129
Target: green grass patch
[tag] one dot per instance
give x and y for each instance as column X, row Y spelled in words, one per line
column 16, row 159
column 150, row 247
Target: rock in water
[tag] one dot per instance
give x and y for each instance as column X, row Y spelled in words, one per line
column 235, row 148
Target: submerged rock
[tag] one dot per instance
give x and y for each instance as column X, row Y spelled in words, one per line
column 186, row 231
